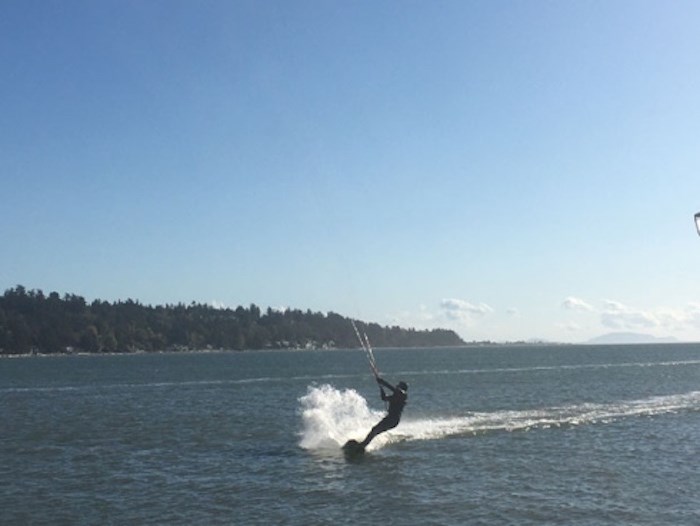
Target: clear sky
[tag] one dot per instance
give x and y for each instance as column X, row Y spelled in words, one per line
column 508, row 169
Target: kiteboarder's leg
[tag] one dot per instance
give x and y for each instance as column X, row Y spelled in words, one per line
column 384, row 425
column 375, row 431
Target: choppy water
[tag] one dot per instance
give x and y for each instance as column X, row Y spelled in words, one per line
column 509, row 435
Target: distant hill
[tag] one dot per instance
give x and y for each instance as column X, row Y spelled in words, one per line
column 629, row 338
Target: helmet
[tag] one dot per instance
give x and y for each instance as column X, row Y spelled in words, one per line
column 403, row 386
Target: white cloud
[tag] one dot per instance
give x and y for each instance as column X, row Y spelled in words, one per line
column 577, row 304
column 449, row 313
column 616, row 315
column 693, row 314
column 463, row 311
column 580, row 318
column 680, row 319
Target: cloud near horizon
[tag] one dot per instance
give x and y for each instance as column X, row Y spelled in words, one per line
column 577, row 304
column 615, row 315
column 463, row 311
column 618, row 316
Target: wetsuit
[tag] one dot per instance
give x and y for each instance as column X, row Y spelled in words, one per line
column 397, row 401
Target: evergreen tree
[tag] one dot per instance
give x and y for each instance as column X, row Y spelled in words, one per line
column 33, row 322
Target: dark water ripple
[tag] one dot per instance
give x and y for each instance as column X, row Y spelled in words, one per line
column 571, row 436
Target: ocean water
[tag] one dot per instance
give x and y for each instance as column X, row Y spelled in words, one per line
column 569, row 435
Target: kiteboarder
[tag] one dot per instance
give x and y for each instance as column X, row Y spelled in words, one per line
column 397, row 401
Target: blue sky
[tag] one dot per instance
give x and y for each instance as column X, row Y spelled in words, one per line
column 511, row 170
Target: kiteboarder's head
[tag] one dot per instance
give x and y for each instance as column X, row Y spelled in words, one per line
column 403, row 386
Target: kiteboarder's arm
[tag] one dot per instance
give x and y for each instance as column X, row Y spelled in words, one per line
column 383, row 382
column 383, row 394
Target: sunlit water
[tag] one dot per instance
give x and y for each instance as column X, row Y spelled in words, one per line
column 507, row 435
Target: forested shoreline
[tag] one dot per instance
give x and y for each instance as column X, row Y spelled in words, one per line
column 32, row 322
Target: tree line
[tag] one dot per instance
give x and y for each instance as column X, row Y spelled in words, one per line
column 32, row 322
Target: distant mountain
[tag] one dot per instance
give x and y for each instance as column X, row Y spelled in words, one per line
column 629, row 338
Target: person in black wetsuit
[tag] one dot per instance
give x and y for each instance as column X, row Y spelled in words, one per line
column 397, row 401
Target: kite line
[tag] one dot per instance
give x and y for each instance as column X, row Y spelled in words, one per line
column 364, row 343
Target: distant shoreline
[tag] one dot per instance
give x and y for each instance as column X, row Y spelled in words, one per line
column 465, row 346
column 36, row 323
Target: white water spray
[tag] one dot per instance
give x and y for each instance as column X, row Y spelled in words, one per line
column 331, row 417
column 546, row 417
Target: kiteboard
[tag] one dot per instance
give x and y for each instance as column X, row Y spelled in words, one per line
column 353, row 449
